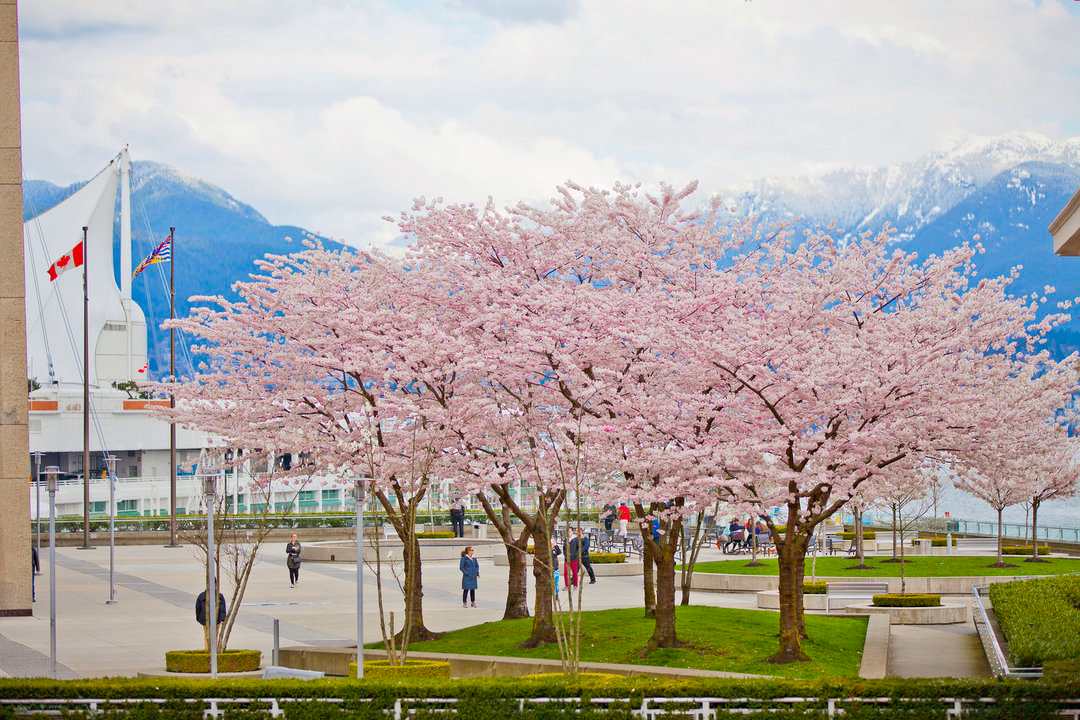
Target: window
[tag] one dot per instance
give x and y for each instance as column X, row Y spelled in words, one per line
column 127, row 506
column 98, row 507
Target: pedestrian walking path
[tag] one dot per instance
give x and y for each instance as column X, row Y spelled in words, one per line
column 930, row 651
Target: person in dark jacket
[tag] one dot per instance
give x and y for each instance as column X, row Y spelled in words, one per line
column 573, row 560
column 555, row 553
column 457, row 517
column 200, row 608
column 608, row 516
column 470, row 572
column 292, row 560
column 35, row 570
column 586, row 562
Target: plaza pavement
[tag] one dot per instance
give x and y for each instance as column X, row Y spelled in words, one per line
column 157, row 588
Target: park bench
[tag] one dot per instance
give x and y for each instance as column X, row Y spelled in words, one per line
column 850, row 590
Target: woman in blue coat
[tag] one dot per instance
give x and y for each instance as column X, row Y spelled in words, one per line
column 470, row 571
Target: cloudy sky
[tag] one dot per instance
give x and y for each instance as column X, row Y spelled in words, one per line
column 333, row 114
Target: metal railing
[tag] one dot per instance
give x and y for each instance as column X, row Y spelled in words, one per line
column 648, row 708
column 996, row 654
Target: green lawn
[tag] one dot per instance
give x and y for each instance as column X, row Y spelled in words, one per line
column 726, row 639
column 917, row 566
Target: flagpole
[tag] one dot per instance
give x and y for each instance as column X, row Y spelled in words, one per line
column 86, row 392
column 172, row 398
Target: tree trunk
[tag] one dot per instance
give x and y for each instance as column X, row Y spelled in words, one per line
column 517, row 590
column 903, row 575
column 648, row 582
column 894, row 531
column 859, row 538
column 543, row 627
column 791, row 630
column 664, row 630
column 414, row 595
column 1035, row 532
column 1000, row 543
column 800, row 579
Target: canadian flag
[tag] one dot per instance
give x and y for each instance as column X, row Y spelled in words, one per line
column 73, row 259
column 142, row 369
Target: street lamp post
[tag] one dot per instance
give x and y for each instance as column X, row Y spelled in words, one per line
column 51, row 472
column 359, row 491
column 37, row 492
column 209, row 491
column 110, row 464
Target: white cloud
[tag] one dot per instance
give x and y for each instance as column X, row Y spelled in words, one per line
column 332, row 115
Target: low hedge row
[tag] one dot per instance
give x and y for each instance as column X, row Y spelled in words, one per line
column 412, row 669
column 1040, row 618
column 198, row 661
column 493, row 689
column 907, row 600
column 436, row 535
column 935, row 540
column 867, row 535
column 817, row 587
column 1024, row 550
column 606, row 558
column 1061, row 670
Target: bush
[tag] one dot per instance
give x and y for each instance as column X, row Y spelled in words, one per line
column 818, row 587
column 935, row 540
column 413, row 669
column 1023, row 550
column 1040, row 618
column 435, row 535
column 907, row 600
column 1061, row 670
column 198, row 661
column 866, row 535
column 606, row 558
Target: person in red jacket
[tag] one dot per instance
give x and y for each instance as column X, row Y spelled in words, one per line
column 624, row 518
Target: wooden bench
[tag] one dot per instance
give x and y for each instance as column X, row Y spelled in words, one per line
column 853, row 590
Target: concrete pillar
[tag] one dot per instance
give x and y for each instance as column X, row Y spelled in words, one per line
column 15, row 573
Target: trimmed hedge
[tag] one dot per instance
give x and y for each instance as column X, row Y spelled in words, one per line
column 907, row 600
column 818, row 587
column 606, row 558
column 1061, row 670
column 1024, row 550
column 198, row 661
column 935, row 540
column 867, row 535
column 1040, row 618
column 435, row 535
column 412, row 670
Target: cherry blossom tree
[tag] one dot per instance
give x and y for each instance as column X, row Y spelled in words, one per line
column 335, row 354
column 847, row 363
column 1055, row 476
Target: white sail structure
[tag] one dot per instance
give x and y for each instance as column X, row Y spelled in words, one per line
column 117, row 326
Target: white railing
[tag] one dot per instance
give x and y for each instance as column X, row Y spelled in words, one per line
column 998, row 659
column 650, row 708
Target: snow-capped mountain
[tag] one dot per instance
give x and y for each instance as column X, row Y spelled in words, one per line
column 1005, row 190
column 217, row 240
column 909, row 196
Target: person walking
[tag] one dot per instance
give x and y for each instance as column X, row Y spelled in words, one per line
column 608, row 517
column 470, row 571
column 573, row 560
column 624, row 519
column 586, row 561
column 555, row 553
column 457, row 517
column 292, row 560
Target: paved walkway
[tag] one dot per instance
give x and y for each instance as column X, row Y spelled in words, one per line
column 936, row 651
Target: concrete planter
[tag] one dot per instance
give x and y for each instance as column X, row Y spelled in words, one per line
column 432, row 549
column 945, row 614
column 770, row 600
column 721, row 582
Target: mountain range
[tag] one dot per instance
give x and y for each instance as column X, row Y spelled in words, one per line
column 1005, row 189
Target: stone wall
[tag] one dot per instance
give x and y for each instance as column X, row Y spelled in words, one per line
column 15, row 577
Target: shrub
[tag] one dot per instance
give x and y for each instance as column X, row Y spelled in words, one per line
column 907, row 600
column 1023, row 550
column 198, row 661
column 412, row 669
column 866, row 535
column 814, row 588
column 935, row 540
column 1061, row 670
column 606, row 558
column 1040, row 618
column 435, row 535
